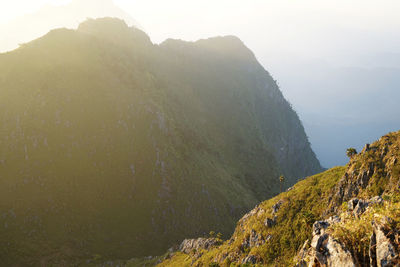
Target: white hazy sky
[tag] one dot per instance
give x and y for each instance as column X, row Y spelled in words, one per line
column 331, row 29
column 327, row 55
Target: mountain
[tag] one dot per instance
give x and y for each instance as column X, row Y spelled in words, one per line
column 336, row 103
column 16, row 32
column 113, row 147
column 345, row 216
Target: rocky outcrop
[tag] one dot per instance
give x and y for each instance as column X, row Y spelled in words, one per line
column 251, row 259
column 270, row 233
column 325, row 250
column 254, row 240
column 376, row 161
column 194, row 245
column 384, row 245
column 358, row 206
column 270, row 222
column 276, row 207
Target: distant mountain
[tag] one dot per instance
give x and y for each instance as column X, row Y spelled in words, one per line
column 32, row 26
column 338, row 104
column 113, row 147
column 345, row 216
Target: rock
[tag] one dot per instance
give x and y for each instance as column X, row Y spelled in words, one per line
column 254, row 240
column 375, row 200
column 352, row 204
column 366, row 148
column 334, row 219
column 301, row 256
column 382, row 246
column 329, row 252
column 249, row 214
column 372, row 250
column 358, row 206
column 189, row 245
column 338, row 256
column 319, row 227
column 276, row 207
column 260, row 213
column 325, row 250
column 250, row 259
column 270, row 222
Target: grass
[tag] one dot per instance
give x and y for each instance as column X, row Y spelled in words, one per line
column 301, row 207
column 355, row 233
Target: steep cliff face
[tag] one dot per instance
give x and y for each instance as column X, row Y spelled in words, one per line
column 374, row 171
column 111, row 145
column 346, row 216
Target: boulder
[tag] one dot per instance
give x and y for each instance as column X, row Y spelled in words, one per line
column 319, row 227
column 383, row 249
column 358, row 206
column 375, row 200
column 327, row 251
column 189, row 245
column 270, row 222
column 251, row 259
column 352, row 204
column 276, row 207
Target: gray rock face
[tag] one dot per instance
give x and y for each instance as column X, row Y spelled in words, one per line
column 254, row 240
column 190, row 245
column 376, row 200
column 301, row 256
column 325, row 250
column 358, row 176
column 276, row 207
column 319, row 227
column 382, row 248
column 338, row 256
column 270, row 222
column 251, row 259
column 358, row 206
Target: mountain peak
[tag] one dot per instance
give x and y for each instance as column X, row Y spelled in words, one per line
column 53, row 17
column 114, row 29
column 103, row 23
column 223, row 45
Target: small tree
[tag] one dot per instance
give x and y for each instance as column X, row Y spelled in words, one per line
column 212, row 234
column 281, row 180
column 350, row 152
column 219, row 236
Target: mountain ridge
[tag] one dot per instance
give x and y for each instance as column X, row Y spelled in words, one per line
column 114, row 146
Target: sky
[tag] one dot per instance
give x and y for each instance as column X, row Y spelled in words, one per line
column 336, row 61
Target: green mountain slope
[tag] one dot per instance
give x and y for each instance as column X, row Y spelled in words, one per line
column 113, row 146
column 345, row 216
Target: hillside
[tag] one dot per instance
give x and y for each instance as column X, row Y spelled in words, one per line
column 345, row 216
column 112, row 147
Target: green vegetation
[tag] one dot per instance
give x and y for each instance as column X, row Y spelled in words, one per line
column 355, row 233
column 350, row 152
column 274, row 232
column 300, row 207
column 281, row 180
column 112, row 147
